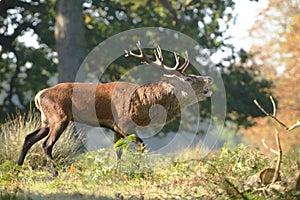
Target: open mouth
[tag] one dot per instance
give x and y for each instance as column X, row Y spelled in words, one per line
column 206, row 91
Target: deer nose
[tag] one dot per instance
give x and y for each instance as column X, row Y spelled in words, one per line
column 208, row 79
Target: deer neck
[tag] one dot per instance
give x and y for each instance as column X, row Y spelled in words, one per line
column 154, row 100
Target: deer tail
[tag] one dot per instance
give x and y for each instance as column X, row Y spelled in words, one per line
column 37, row 99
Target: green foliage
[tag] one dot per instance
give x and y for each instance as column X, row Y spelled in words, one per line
column 25, row 70
column 241, row 161
column 124, row 143
column 243, row 85
column 93, row 175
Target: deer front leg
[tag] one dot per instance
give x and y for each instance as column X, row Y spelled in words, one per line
column 138, row 141
column 119, row 151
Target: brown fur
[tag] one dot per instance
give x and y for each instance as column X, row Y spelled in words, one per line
column 147, row 96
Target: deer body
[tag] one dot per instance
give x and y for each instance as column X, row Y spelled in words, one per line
column 87, row 103
column 119, row 106
column 114, row 104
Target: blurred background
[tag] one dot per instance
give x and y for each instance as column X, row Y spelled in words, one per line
column 254, row 44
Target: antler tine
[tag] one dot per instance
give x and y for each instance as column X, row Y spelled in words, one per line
column 177, row 61
column 159, row 59
column 141, row 55
column 185, row 64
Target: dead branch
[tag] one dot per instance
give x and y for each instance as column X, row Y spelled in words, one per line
column 294, row 125
column 278, row 152
column 269, row 148
column 279, row 159
column 273, row 116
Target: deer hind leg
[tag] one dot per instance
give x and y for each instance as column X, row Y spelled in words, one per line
column 30, row 140
column 56, row 129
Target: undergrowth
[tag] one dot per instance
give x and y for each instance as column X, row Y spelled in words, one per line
column 94, row 175
column 14, row 131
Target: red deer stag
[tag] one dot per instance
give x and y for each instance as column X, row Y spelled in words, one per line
column 119, row 106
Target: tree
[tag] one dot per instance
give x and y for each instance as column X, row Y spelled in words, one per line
column 204, row 21
column 22, row 67
column 69, row 36
column 279, row 54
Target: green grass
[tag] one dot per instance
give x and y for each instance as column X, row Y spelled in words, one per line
column 93, row 175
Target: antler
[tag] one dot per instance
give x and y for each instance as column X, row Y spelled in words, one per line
column 157, row 52
column 186, row 63
column 181, row 68
column 159, row 58
column 138, row 56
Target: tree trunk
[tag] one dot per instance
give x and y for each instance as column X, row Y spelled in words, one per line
column 69, row 36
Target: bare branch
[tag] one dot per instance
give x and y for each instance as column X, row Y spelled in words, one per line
column 279, row 159
column 278, row 152
column 294, row 125
column 274, row 115
column 274, row 106
column 261, row 108
column 269, row 148
column 270, row 115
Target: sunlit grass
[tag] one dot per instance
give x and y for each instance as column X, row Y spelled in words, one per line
column 14, row 131
column 93, row 175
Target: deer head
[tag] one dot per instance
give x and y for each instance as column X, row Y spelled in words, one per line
column 186, row 85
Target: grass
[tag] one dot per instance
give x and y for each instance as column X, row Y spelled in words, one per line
column 13, row 132
column 93, row 175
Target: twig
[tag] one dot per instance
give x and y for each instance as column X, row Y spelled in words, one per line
column 294, row 125
column 269, row 148
column 279, row 159
column 278, row 152
column 273, row 116
column 274, row 106
column 261, row 108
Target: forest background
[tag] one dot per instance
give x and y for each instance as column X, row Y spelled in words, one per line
column 66, row 31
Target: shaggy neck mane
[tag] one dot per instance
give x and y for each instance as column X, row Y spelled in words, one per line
column 147, row 96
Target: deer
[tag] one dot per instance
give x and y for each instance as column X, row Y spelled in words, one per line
column 118, row 106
